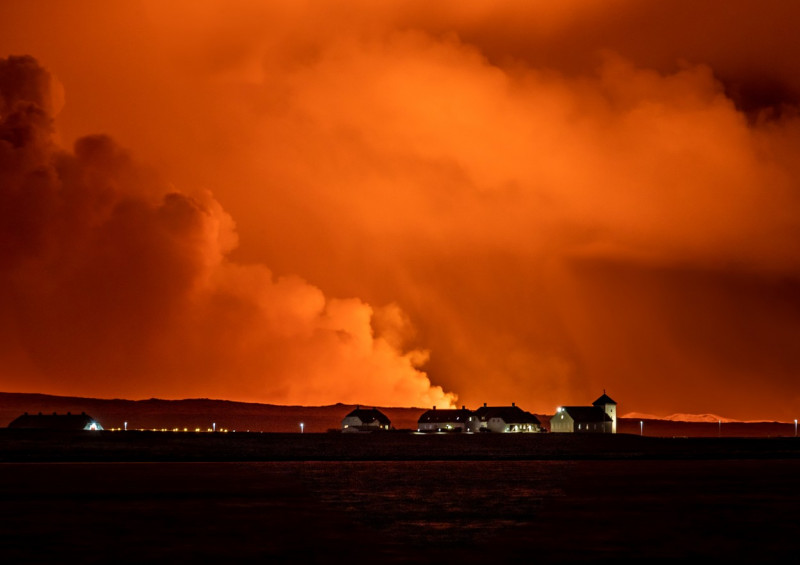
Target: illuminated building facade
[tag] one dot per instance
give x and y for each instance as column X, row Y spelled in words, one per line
column 507, row 419
column 365, row 420
column 455, row 420
column 600, row 417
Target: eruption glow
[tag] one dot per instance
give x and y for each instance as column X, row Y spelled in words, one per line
column 380, row 203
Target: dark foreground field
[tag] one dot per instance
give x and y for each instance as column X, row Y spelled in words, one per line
column 105, row 446
column 138, row 497
column 422, row 512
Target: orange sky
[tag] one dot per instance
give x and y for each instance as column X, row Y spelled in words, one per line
column 388, row 203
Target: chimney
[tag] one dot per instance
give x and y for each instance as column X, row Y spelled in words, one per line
column 513, row 404
column 463, row 407
column 434, row 407
column 484, row 405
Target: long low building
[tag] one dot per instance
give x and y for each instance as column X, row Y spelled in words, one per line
column 507, row 419
column 500, row 419
column 56, row 421
column 448, row 420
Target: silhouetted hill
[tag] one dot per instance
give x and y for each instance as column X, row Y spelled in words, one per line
column 730, row 428
column 195, row 413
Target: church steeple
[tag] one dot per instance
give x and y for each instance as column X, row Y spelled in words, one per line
column 610, row 407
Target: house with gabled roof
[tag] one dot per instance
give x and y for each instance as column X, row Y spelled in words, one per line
column 600, row 417
column 507, row 419
column 448, row 420
column 54, row 421
column 365, row 420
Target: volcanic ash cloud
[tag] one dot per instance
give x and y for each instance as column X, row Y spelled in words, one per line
column 113, row 283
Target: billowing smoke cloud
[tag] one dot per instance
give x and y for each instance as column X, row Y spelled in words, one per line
column 114, row 283
column 553, row 199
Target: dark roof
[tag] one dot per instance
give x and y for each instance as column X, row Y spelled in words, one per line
column 369, row 415
column 509, row 414
column 605, row 399
column 55, row 421
column 586, row 413
column 440, row 416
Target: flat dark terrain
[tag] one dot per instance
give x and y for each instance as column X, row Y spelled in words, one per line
column 392, row 512
column 108, row 446
column 396, row 497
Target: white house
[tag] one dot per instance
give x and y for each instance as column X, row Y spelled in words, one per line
column 365, row 420
column 507, row 419
column 448, row 420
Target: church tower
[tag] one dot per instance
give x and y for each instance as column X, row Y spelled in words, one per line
column 610, row 407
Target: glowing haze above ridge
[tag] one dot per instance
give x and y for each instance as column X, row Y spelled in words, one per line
column 402, row 204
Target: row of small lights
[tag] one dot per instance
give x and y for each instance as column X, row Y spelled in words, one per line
column 212, row 429
column 172, row 430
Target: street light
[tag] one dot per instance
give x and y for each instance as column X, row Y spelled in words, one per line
column 719, row 433
column 301, row 427
column 214, row 426
column 126, row 426
column 795, row 427
column 641, row 427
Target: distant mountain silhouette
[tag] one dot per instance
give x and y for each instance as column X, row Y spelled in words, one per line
column 194, row 413
column 713, row 418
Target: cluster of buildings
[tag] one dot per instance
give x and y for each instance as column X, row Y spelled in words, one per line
column 600, row 417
